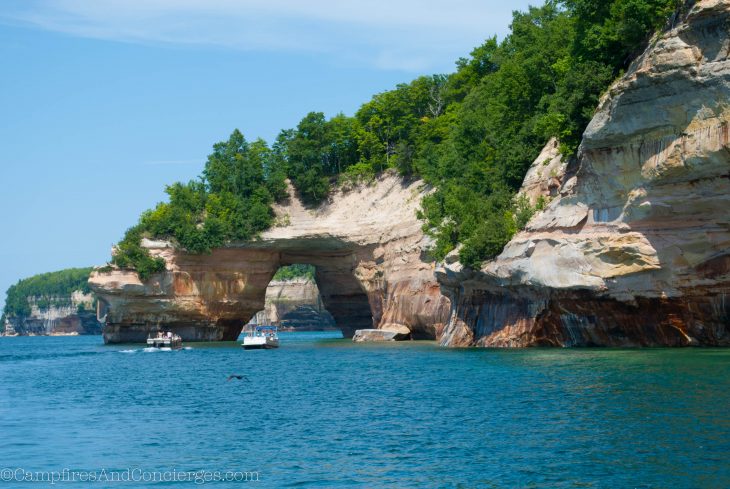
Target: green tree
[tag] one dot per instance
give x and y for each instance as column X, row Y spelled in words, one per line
column 471, row 135
column 231, row 201
column 295, row 271
column 53, row 288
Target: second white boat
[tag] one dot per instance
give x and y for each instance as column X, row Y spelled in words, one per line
column 261, row 337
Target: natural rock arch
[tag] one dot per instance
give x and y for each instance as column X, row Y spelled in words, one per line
column 293, row 302
column 367, row 247
column 631, row 250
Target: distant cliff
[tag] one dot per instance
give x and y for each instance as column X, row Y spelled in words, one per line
column 56, row 303
column 296, row 305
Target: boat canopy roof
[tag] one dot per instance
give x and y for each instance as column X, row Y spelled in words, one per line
column 266, row 328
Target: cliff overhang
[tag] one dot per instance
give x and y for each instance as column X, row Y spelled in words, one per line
column 632, row 249
column 367, row 247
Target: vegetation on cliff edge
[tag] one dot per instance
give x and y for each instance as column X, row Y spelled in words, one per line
column 46, row 290
column 471, row 134
column 291, row 272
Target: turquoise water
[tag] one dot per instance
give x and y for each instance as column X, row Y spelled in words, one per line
column 324, row 412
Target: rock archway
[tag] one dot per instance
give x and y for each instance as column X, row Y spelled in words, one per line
column 367, row 247
column 293, row 302
column 343, row 295
column 631, row 250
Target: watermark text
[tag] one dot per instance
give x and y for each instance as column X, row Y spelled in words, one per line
column 19, row 474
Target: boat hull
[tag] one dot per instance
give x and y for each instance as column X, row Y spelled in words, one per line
column 260, row 347
column 259, row 343
column 174, row 344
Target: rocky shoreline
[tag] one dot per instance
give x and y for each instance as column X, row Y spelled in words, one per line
column 366, row 244
column 65, row 316
column 631, row 250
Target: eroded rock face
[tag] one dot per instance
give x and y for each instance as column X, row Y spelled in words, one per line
column 294, row 305
column 631, row 250
column 366, row 245
column 634, row 248
column 64, row 315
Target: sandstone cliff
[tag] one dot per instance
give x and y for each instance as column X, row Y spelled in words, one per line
column 633, row 248
column 72, row 314
column 365, row 243
column 294, row 305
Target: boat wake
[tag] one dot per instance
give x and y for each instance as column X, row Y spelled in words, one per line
column 153, row 350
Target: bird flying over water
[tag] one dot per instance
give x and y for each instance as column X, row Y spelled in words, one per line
column 237, row 376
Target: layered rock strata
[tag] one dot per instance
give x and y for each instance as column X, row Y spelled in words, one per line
column 634, row 247
column 631, row 250
column 367, row 247
column 294, row 305
column 66, row 315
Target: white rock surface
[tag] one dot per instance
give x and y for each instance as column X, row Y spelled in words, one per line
column 641, row 219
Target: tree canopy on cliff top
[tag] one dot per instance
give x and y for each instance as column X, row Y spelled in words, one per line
column 472, row 135
column 291, row 272
column 48, row 287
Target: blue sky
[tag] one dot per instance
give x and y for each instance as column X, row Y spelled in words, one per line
column 104, row 102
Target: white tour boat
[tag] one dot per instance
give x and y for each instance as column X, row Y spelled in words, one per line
column 165, row 340
column 261, row 337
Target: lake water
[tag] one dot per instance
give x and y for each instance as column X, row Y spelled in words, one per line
column 324, row 412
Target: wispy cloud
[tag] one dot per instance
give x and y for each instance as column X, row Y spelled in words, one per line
column 411, row 35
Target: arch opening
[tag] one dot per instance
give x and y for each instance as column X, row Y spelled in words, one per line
column 212, row 297
column 341, row 293
column 293, row 302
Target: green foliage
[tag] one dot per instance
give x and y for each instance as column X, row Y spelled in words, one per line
column 471, row 135
column 508, row 99
column 390, row 122
column 316, row 151
column 523, row 211
column 357, row 173
column 383, row 134
column 231, row 201
column 291, row 272
column 612, row 32
column 129, row 254
column 488, row 239
column 47, row 289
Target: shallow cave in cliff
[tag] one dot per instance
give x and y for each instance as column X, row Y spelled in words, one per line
column 300, row 295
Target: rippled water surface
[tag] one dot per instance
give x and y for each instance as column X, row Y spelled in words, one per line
column 324, row 412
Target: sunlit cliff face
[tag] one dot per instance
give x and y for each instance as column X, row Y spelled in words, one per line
column 634, row 247
column 631, row 250
column 366, row 245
